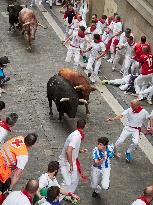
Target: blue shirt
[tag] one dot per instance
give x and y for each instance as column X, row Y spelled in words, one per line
column 1, row 72
column 98, row 155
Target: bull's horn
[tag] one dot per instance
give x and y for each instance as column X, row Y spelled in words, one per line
column 11, row 5
column 78, row 87
column 64, row 99
column 26, row 23
column 83, row 101
column 44, row 27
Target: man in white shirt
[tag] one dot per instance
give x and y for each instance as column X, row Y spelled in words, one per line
column 48, row 180
column 133, row 120
column 146, row 198
column 97, row 47
column 23, row 197
column 5, row 126
column 69, row 156
column 128, row 59
column 117, row 30
column 121, row 52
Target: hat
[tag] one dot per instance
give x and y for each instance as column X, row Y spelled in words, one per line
column 4, row 60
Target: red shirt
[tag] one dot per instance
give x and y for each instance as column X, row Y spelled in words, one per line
column 146, row 61
column 138, row 50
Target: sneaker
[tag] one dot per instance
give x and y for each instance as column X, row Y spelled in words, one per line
column 113, row 68
column 50, row 7
column 94, row 194
column 128, row 157
column 110, row 60
column 104, row 82
column 149, row 101
column 31, row 5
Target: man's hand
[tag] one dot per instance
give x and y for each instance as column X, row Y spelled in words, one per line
column 71, row 168
column 97, row 58
column 83, row 150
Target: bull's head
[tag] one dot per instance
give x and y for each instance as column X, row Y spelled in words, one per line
column 71, row 105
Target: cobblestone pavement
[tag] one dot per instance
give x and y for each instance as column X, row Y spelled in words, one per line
column 26, row 95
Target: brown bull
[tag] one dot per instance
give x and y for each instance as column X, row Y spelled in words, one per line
column 79, row 82
column 29, row 24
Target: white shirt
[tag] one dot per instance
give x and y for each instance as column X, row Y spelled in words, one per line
column 130, row 49
column 22, row 161
column 138, row 202
column 16, row 198
column 90, row 34
column 117, row 27
column 3, row 134
column 45, row 181
column 100, row 26
column 73, row 140
column 76, row 24
column 97, row 48
column 77, row 41
column 135, row 119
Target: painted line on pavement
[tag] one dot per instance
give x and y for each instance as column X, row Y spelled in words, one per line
column 144, row 144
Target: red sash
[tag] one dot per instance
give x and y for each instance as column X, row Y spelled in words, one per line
column 5, row 126
column 142, row 197
column 27, row 195
column 77, row 160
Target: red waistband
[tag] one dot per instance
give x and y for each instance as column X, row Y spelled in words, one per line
column 74, row 46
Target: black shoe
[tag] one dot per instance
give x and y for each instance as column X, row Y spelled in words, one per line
column 89, row 74
column 50, row 7
column 94, row 194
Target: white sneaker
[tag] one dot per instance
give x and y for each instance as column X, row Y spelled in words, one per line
column 31, row 5
column 113, row 68
column 110, row 60
column 149, row 101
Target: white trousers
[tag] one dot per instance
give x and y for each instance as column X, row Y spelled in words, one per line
column 135, row 67
column 142, row 82
column 83, row 13
column 126, row 65
column 100, row 177
column 129, row 132
column 70, row 180
column 75, row 52
column 117, row 57
column 93, row 70
column 147, row 93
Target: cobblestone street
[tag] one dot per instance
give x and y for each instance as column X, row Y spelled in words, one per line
column 26, row 95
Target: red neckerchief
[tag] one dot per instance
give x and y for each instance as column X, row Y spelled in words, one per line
column 137, row 110
column 81, row 35
column 92, row 28
column 81, row 133
column 102, row 21
column 5, row 126
column 142, row 197
column 27, row 195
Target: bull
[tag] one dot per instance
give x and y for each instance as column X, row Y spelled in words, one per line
column 79, row 82
column 14, row 10
column 29, row 24
column 64, row 95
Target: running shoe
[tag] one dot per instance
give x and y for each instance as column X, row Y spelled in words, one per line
column 128, row 157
